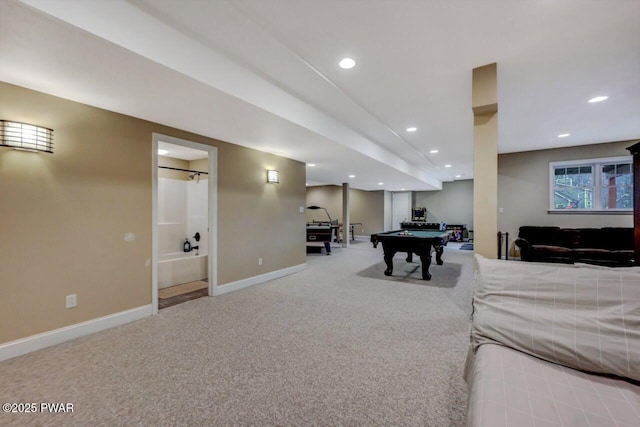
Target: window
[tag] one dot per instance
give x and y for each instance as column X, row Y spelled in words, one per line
column 591, row 185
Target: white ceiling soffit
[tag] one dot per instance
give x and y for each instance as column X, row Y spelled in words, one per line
column 264, row 74
column 132, row 27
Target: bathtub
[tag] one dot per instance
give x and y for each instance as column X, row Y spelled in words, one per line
column 181, row 267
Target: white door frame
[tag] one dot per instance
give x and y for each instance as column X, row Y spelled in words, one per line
column 212, row 265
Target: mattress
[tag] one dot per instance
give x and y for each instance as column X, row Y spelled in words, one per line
column 511, row 388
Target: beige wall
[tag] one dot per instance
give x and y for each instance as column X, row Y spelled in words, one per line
column 173, row 163
column 367, row 207
column 453, row 204
column 65, row 215
column 328, row 197
column 256, row 219
column 523, row 189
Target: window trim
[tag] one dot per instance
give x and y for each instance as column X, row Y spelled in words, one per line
column 597, row 164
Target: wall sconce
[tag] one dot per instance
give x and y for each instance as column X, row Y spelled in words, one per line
column 273, row 176
column 23, row 136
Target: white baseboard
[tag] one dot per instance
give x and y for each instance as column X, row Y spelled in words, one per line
column 57, row 336
column 251, row 281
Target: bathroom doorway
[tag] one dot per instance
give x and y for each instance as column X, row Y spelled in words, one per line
column 184, row 221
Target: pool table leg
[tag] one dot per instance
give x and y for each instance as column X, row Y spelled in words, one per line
column 388, row 259
column 439, row 250
column 409, row 256
column 426, row 263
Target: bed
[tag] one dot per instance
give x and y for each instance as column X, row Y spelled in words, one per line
column 554, row 345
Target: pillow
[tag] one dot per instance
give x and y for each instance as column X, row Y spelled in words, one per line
column 581, row 316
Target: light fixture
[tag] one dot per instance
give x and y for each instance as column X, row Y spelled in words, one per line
column 273, row 176
column 433, row 151
column 564, row 135
column 458, row 176
column 23, row 136
column 162, row 152
column 311, row 165
column 447, row 166
column 598, row 99
column 412, row 129
column 381, row 183
column 352, row 176
column 347, row 63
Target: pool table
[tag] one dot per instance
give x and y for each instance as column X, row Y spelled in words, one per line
column 420, row 242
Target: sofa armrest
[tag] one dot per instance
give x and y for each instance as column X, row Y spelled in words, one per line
column 525, row 248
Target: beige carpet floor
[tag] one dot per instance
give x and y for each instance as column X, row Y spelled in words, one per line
column 324, row 347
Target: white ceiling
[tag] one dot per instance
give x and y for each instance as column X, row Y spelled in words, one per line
column 264, row 74
column 180, row 152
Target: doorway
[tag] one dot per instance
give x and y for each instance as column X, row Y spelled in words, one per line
column 184, row 218
column 401, row 208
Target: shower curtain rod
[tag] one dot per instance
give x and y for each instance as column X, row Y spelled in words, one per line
column 182, row 170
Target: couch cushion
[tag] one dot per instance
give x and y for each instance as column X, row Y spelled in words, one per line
column 591, row 238
column 566, row 238
column 580, row 316
column 617, row 238
column 537, row 234
column 551, row 251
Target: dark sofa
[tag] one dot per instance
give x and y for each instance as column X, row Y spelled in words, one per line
column 610, row 246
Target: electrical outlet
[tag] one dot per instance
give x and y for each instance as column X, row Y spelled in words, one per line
column 259, row 261
column 71, row 300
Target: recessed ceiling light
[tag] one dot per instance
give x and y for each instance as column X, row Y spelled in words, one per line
column 352, row 176
column 347, row 63
column 312, row 165
column 381, row 183
column 412, row 129
column 598, row 99
column 563, row 135
column 433, row 151
column 162, row 152
column 403, row 189
column 447, row 166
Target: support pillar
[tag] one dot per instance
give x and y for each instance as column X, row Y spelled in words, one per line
column 346, row 219
column 485, row 160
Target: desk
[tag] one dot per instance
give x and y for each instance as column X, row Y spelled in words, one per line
column 420, row 242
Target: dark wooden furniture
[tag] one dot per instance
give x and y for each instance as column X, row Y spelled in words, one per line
column 635, row 151
column 419, row 242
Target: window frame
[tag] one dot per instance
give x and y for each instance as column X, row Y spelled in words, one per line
column 596, row 165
